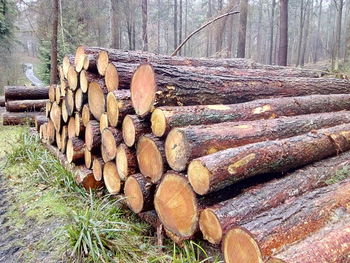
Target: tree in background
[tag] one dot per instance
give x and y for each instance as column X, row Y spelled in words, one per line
column 54, row 50
column 283, row 43
column 144, row 25
column 242, row 29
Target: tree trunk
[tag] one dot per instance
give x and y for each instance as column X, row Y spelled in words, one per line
column 118, row 106
column 301, row 30
column 229, row 166
column 185, row 144
column 273, row 7
column 133, row 128
column 144, row 25
column 25, row 105
column 126, row 161
column 39, row 120
column 166, row 85
column 85, row 177
column 242, row 28
column 75, row 149
column 19, row 118
column 306, row 33
column 337, row 43
column 216, row 220
column 283, row 43
column 25, row 93
column 175, row 24
column 54, row 50
column 180, row 24
column 114, row 24
column 318, row 37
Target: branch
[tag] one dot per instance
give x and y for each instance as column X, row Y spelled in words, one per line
column 203, row 26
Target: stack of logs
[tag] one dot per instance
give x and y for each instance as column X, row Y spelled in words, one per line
column 24, row 104
column 201, row 147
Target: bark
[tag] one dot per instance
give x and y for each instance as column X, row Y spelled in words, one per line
column 110, row 138
column 166, row 85
column 114, row 24
column 75, row 149
column 273, row 7
column 318, row 37
column 87, row 77
column 40, row 120
column 126, row 161
column 139, row 193
column 301, row 30
column 25, row 105
column 25, row 93
column 54, row 50
column 283, row 42
column 165, row 118
column 19, row 118
column 2, row 101
column 92, row 135
column 229, row 166
column 119, row 75
column 118, row 106
column 336, row 48
column 268, row 195
column 133, row 128
column 185, row 144
column 175, row 24
column 243, row 15
column 144, row 25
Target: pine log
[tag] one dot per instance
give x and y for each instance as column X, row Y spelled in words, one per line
column 92, row 135
column 151, row 157
column 41, row 131
column 126, row 161
column 55, row 116
column 103, row 121
column 72, row 77
column 50, row 132
column 110, row 138
column 69, row 102
column 52, row 93
column 216, row 220
column 215, row 171
column 63, row 87
column 64, row 138
column 86, row 178
column 111, row 178
column 292, row 221
column 119, row 75
column 118, row 106
column 87, row 77
column 71, row 128
column 25, row 93
column 166, row 85
column 133, row 127
column 25, row 105
column 58, row 97
column 39, row 120
column 19, row 118
column 97, row 168
column 139, row 193
column 67, row 62
column 58, row 140
column 87, row 158
column 79, row 127
column 92, row 52
column 2, row 101
column 165, row 118
column 330, row 244
column 90, row 63
column 185, row 144
column 97, row 100
column 75, row 149
column 47, row 108
column 86, row 115
column 64, row 112
column 61, row 73
column 80, row 99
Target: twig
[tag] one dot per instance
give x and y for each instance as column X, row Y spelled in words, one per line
column 203, row 26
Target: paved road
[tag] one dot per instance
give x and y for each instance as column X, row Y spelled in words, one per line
column 30, row 75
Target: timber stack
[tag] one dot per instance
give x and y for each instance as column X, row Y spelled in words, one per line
column 249, row 157
column 24, row 104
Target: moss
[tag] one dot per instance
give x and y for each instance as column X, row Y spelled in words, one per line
column 340, row 175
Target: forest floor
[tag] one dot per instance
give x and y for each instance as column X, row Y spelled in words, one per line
column 46, row 217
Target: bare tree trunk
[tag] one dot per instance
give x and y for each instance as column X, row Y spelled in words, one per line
column 186, row 9
column 180, row 23
column 283, row 43
column 220, row 30
column 158, row 27
column 271, row 30
column 318, row 39
column 53, row 70
column 306, row 34
column 175, row 24
column 242, row 28
column 133, row 34
column 209, row 14
column 340, row 6
column 258, row 41
column 115, row 43
column 144, row 25
column 301, row 30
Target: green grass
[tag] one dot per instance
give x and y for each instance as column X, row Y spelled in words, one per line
column 87, row 227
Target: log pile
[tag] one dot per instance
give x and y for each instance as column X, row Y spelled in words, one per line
column 25, row 104
column 228, row 150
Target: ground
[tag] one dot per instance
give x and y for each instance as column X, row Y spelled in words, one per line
column 46, row 217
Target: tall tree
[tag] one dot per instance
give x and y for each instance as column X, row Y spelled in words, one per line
column 309, row 9
column 175, row 24
column 301, row 30
column 336, row 47
column 115, row 40
column 272, row 24
column 283, row 42
column 144, row 25
column 53, row 69
column 318, row 38
column 180, row 23
column 242, row 28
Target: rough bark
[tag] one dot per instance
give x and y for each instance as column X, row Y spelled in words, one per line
column 126, row 161
column 92, row 135
column 133, row 127
column 185, row 144
column 86, row 178
column 25, row 105
column 19, row 118
column 144, row 25
column 223, row 168
column 166, row 85
column 283, row 39
column 75, row 149
column 118, row 106
column 25, row 93
column 54, row 50
column 243, row 15
column 216, row 220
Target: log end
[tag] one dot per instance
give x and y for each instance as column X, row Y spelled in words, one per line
column 72, row 77
column 111, row 77
column 210, row 226
column 102, row 62
column 87, row 158
column 71, row 127
column 175, row 194
column 84, row 83
column 85, row 115
column 111, row 178
column 64, row 111
column 79, row 58
column 122, row 162
column 129, row 131
column 103, row 122
column 70, row 151
column 77, row 124
column 96, row 100
column 143, row 89
column 239, row 246
column 149, row 159
column 133, row 194
column 158, row 123
column 97, row 169
column 112, row 109
column 199, row 177
column 177, row 150
column 108, row 145
column 65, row 66
column 89, row 135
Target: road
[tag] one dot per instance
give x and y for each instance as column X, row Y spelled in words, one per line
column 30, row 75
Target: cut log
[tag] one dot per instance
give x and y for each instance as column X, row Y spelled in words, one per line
column 133, row 127
column 64, row 138
column 2, row 101
column 165, row 118
column 97, row 168
column 25, row 93
column 52, row 93
column 47, row 108
column 119, row 75
column 92, row 135
column 75, row 149
column 64, row 112
column 63, row 87
column 67, row 62
column 216, row 220
column 25, row 105
column 44, row 133
column 126, row 161
column 165, row 85
column 139, row 193
column 39, row 120
column 71, row 128
column 151, row 157
column 69, row 102
column 111, row 178
column 55, row 116
column 103, row 122
column 111, row 137
column 215, row 171
column 82, row 52
column 289, row 222
column 58, row 140
column 86, row 115
column 86, row 178
column 79, row 127
column 87, row 77
column 72, row 77
column 90, row 63
column 96, row 98
column 185, row 144
column 58, row 94
column 330, row 244
column 80, row 99
column 19, row 118
column 88, row 158
column 173, row 192
column 61, row 73
column 50, row 132
column 118, row 106
column 41, row 131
